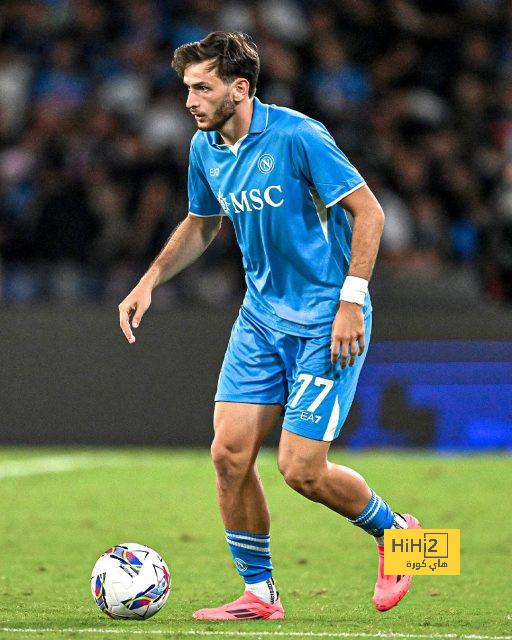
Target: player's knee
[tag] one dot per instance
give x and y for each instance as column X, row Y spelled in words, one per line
column 301, row 477
column 228, row 462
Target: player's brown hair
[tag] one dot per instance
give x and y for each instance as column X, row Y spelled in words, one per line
column 233, row 55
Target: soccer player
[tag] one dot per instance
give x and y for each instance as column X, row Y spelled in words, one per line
column 301, row 337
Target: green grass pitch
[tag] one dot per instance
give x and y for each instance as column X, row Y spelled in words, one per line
column 61, row 509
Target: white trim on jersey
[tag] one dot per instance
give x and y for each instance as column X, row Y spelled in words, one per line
column 206, row 215
column 344, row 195
column 321, row 211
column 333, row 422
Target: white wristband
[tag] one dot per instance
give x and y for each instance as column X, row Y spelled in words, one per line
column 354, row 290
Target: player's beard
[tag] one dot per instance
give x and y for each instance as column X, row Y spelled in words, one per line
column 221, row 115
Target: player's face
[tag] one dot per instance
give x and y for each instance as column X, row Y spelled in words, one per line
column 210, row 99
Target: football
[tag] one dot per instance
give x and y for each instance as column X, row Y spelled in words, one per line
column 130, row 581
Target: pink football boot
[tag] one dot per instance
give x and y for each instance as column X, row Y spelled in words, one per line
column 248, row 607
column 389, row 590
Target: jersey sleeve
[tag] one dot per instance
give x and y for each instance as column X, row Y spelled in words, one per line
column 323, row 164
column 201, row 199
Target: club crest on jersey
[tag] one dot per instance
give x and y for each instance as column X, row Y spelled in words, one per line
column 252, row 199
column 266, row 163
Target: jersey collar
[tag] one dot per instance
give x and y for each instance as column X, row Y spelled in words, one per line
column 259, row 117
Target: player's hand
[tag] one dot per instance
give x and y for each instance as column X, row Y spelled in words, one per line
column 347, row 335
column 133, row 307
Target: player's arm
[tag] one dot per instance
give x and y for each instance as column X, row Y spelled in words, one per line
column 348, row 325
column 187, row 242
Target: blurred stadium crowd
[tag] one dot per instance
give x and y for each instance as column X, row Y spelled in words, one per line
column 94, row 134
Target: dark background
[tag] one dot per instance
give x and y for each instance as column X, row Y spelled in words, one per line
column 94, row 137
column 70, row 377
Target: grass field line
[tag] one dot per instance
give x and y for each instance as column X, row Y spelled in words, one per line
column 258, row 634
column 55, row 464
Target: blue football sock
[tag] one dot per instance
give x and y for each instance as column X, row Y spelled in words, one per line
column 375, row 517
column 251, row 554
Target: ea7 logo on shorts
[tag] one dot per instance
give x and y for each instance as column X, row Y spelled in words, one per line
column 310, row 417
column 266, row 163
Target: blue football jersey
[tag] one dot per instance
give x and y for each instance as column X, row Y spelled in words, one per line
column 280, row 186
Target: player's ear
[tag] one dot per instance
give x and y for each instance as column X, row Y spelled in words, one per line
column 240, row 89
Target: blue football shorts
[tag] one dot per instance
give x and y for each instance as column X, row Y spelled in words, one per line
column 266, row 366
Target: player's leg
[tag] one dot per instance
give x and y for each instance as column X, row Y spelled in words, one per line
column 319, row 401
column 240, row 429
column 304, row 465
column 249, row 400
